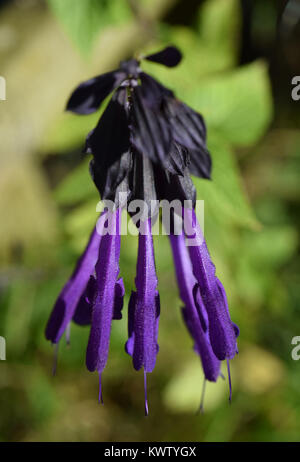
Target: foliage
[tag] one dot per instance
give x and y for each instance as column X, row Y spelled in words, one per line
column 84, row 20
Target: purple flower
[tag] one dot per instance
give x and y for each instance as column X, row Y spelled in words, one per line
column 194, row 312
column 144, row 308
column 146, row 144
column 222, row 331
column 107, row 270
column 75, row 288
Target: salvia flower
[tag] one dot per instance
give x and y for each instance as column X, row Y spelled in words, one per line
column 146, row 145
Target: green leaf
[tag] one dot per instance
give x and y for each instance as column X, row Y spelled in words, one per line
column 84, row 19
column 224, row 196
column 219, row 27
column 238, row 104
column 76, row 187
column 80, row 222
column 183, row 392
column 68, row 131
column 212, row 49
column 32, row 226
column 272, row 247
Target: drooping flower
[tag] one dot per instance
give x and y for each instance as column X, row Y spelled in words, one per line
column 145, row 146
column 144, row 308
column 70, row 296
column 194, row 312
column 107, row 271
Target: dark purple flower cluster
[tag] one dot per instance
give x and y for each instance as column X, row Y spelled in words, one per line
column 146, row 144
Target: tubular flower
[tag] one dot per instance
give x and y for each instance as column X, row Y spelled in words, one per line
column 194, row 312
column 145, row 146
column 144, row 308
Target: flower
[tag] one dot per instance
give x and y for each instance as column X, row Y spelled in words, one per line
column 194, row 312
column 146, row 145
column 144, row 308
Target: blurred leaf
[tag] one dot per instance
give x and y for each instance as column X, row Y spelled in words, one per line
column 77, row 186
column 272, row 246
column 263, row 253
column 280, row 176
column 80, row 222
column 84, row 19
column 30, row 216
column 212, row 49
column 219, row 27
column 259, row 371
column 19, row 317
column 41, row 396
column 238, row 104
column 224, row 197
column 68, row 131
column 183, row 392
column 199, row 60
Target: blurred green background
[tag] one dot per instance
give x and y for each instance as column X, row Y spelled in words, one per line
column 237, row 73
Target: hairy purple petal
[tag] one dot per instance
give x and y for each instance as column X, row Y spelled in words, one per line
column 223, row 293
column 221, row 330
column 83, row 313
column 119, row 298
column 107, row 270
column 144, row 307
column 69, row 297
column 89, row 95
column 131, row 313
column 196, row 320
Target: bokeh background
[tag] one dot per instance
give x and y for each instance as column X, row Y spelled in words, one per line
column 237, row 71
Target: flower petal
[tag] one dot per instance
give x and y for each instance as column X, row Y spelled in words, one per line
column 153, row 92
column 83, row 313
column 222, row 333
column 108, row 179
column 189, row 131
column 119, row 298
column 109, row 144
column 175, row 187
column 89, row 95
column 188, row 126
column 131, row 313
column 223, row 294
column 142, row 183
column 107, row 269
column 194, row 322
column 200, row 163
column 150, row 131
column 177, row 160
column 169, row 56
column 110, row 139
column 144, row 307
column 69, row 297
